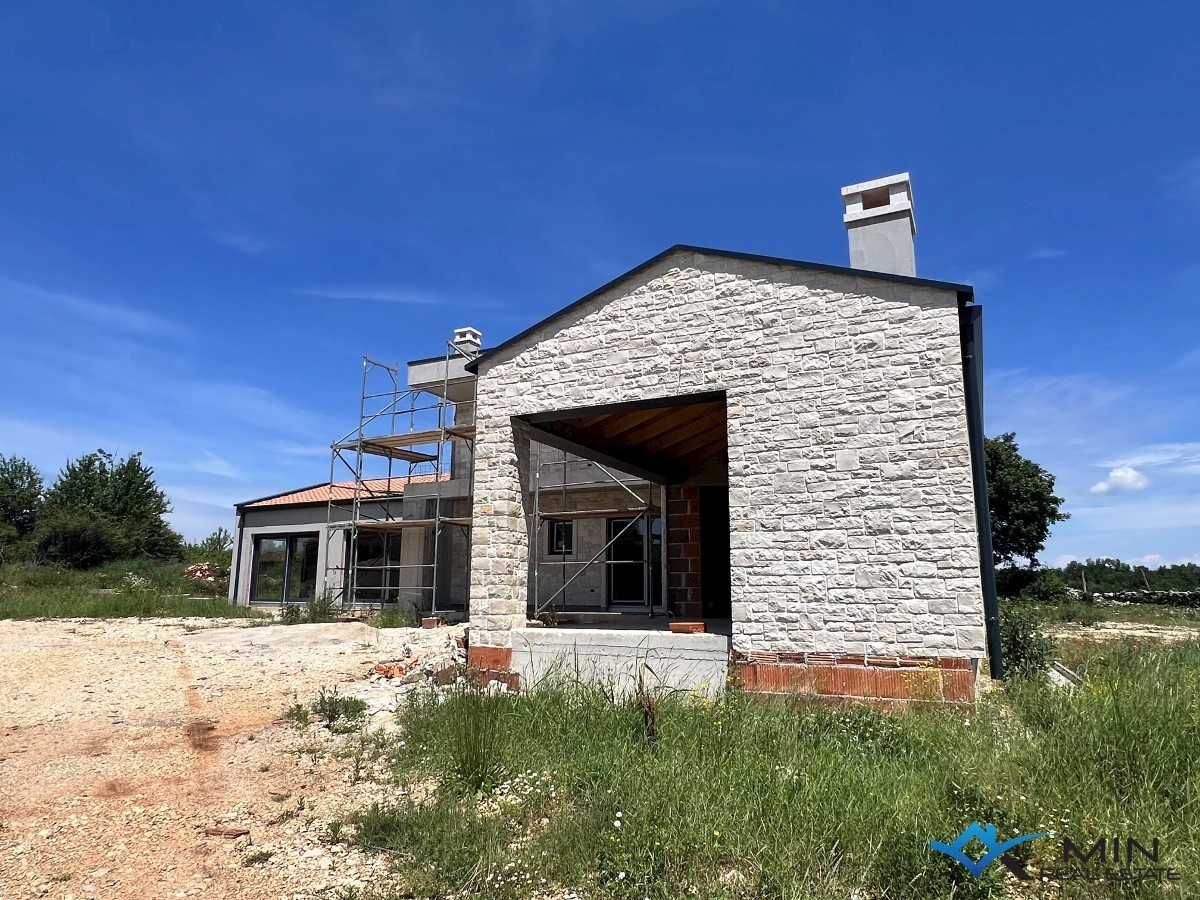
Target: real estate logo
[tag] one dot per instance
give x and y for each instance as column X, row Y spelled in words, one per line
column 1108, row 859
column 994, row 850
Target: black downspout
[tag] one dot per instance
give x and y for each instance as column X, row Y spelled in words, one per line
column 237, row 557
column 971, row 334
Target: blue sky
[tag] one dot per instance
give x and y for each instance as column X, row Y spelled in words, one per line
column 210, row 212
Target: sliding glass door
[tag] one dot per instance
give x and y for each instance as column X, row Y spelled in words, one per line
column 285, row 568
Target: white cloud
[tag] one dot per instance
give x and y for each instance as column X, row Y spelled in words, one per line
column 1119, row 480
column 1047, row 253
column 387, row 294
column 1184, row 455
column 1150, row 561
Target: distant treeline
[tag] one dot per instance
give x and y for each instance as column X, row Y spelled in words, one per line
column 1104, row 576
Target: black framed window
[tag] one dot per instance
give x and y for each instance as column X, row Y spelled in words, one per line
column 285, row 568
column 560, row 539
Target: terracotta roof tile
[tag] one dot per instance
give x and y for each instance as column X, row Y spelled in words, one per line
column 342, row 490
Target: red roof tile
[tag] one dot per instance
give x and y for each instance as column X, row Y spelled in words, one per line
column 342, row 490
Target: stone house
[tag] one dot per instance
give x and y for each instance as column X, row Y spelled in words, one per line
column 836, row 411
column 788, row 452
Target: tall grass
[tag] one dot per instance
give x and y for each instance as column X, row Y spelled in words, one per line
column 116, row 590
column 753, row 799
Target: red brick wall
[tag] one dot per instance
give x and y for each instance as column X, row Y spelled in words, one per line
column 883, row 680
column 492, row 664
column 683, row 550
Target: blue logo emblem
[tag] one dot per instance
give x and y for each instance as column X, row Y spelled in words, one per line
column 986, row 835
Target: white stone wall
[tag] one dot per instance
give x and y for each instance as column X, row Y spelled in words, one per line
column 851, row 505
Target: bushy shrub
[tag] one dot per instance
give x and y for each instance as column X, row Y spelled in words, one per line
column 1027, row 650
column 399, row 617
column 337, row 712
column 78, row 541
column 1048, row 588
column 1011, row 581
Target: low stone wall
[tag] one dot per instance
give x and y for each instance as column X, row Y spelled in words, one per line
column 1186, row 599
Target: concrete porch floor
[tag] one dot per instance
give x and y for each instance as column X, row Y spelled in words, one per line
column 619, row 621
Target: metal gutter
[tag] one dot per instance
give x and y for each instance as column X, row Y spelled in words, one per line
column 970, row 322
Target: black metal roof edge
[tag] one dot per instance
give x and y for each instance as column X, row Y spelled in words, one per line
column 433, row 359
column 960, row 289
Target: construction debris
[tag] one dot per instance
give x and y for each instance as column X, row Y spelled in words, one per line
column 440, row 667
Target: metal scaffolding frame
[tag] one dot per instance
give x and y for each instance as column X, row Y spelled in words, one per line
column 644, row 511
column 422, row 451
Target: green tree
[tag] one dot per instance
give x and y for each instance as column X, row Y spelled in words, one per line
column 103, row 508
column 1022, row 502
column 21, row 489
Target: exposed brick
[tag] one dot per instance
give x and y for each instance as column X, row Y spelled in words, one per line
column 826, row 677
column 489, row 659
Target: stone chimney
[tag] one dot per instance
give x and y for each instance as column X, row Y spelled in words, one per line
column 469, row 340
column 880, row 224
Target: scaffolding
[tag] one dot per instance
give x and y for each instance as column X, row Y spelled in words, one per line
column 405, row 436
column 641, row 510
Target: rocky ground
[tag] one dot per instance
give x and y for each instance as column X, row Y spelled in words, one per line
column 1117, row 631
column 132, row 753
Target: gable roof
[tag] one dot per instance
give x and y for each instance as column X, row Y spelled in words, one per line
column 377, row 488
column 963, row 290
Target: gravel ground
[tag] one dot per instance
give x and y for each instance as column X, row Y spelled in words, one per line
column 121, row 741
column 1117, row 631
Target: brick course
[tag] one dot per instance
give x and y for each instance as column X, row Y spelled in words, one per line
column 683, row 550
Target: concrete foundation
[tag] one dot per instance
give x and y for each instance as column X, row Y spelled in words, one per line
column 619, row 658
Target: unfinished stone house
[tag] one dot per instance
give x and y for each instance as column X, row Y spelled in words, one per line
column 789, row 453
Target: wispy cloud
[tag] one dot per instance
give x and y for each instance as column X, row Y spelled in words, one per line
column 1184, row 181
column 116, row 316
column 211, row 464
column 1121, row 479
column 1148, row 514
column 242, row 242
column 1184, row 456
column 292, row 448
column 383, row 293
column 985, row 279
column 1048, row 253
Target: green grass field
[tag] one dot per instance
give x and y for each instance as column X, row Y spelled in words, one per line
column 116, row 590
column 561, row 788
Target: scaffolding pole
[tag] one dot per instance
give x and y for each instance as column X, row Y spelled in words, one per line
column 644, row 512
column 374, row 505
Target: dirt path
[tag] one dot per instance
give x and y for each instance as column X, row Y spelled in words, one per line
column 1116, row 631
column 121, row 741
